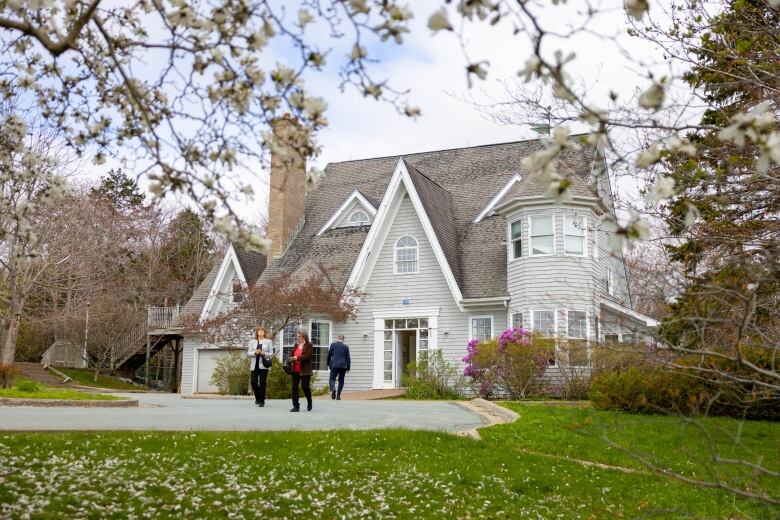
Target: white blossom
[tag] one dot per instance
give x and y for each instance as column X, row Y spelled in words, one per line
column 637, row 8
column 653, row 97
column 304, row 17
column 677, row 145
column 662, row 189
column 358, row 52
column 649, row 156
column 439, row 21
column 532, row 68
column 691, row 214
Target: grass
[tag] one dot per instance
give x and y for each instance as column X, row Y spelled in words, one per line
column 20, row 391
column 85, row 377
column 383, row 473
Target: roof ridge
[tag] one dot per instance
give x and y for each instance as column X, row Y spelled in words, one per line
column 450, row 149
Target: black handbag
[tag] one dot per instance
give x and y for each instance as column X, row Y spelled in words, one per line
column 287, row 366
column 267, row 360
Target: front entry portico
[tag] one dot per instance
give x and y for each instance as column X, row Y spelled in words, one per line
column 401, row 337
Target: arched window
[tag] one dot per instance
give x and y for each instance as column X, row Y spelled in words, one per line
column 358, row 218
column 406, row 255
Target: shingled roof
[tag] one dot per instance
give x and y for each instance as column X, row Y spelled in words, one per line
column 252, row 265
column 454, row 186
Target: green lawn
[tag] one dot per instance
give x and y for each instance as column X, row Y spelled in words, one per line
column 85, row 377
column 45, row 392
column 387, row 473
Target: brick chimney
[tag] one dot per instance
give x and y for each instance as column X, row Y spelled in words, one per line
column 287, row 183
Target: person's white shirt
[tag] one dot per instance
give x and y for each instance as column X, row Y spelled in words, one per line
column 252, row 347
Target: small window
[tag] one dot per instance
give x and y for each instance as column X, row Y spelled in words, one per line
column 517, row 320
column 516, row 232
column 320, row 339
column 611, row 338
column 358, row 218
column 576, row 324
column 543, row 322
column 542, row 235
column 406, row 255
column 610, row 283
column 574, row 235
column 629, row 338
column 482, row 328
column 320, row 333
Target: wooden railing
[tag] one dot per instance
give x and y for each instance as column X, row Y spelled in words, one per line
column 162, row 317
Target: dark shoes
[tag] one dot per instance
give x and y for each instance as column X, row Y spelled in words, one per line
column 260, row 404
column 333, row 394
column 257, row 402
column 308, row 407
column 338, row 398
column 295, row 409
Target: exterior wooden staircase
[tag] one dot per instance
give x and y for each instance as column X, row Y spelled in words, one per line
column 148, row 338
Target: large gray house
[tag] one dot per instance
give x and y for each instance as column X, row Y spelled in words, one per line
column 448, row 245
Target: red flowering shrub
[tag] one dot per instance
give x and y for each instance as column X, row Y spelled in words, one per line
column 511, row 366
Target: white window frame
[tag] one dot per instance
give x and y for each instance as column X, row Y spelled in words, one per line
column 492, row 325
column 416, row 250
column 587, row 324
column 512, row 319
column 610, row 283
column 571, row 216
column 365, row 222
column 531, row 234
column 330, row 331
column 546, row 309
column 511, row 242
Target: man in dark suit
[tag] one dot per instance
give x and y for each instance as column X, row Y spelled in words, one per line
column 339, row 364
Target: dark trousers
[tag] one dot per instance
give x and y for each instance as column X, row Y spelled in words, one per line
column 258, row 380
column 340, row 372
column 304, row 382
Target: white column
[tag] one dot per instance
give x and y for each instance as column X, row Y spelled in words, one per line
column 379, row 353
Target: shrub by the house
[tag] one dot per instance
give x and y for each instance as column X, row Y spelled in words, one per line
column 511, row 366
column 279, row 384
column 433, row 377
column 231, row 375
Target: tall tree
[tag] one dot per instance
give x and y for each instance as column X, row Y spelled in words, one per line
column 120, row 189
column 31, row 147
column 732, row 250
column 187, row 253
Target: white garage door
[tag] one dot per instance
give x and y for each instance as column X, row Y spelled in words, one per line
column 207, row 362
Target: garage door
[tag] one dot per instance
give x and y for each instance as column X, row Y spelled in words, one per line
column 207, row 362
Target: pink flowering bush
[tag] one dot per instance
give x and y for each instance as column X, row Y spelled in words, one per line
column 511, row 366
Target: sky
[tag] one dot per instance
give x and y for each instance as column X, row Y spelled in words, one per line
column 432, row 68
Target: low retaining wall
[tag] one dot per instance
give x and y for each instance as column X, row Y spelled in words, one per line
column 69, row 403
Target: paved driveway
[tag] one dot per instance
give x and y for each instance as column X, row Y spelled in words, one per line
column 171, row 412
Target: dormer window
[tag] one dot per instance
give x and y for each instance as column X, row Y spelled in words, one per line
column 358, row 218
column 542, row 235
column 406, row 255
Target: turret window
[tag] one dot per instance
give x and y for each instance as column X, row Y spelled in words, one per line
column 516, row 234
column 574, row 235
column 542, row 235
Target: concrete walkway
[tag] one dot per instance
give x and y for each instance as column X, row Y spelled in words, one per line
column 171, row 412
